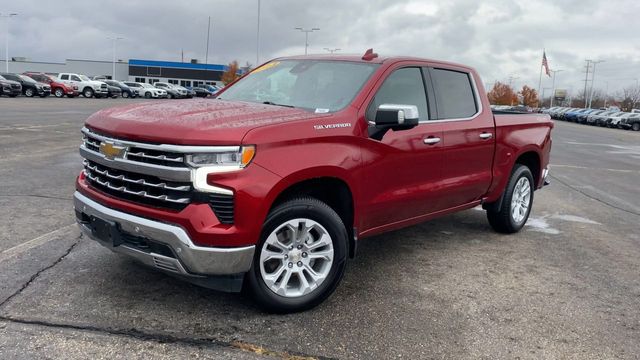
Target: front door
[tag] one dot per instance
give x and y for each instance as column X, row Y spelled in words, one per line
column 404, row 168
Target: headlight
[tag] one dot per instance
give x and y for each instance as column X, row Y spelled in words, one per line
column 231, row 160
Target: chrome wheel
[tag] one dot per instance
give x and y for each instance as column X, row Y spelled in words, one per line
column 296, row 257
column 520, row 200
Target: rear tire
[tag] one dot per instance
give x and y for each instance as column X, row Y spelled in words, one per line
column 300, row 258
column 516, row 204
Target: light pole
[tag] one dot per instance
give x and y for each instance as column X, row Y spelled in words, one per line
column 543, row 91
column 331, row 51
column 206, row 56
column 306, row 36
column 593, row 79
column 258, row 37
column 6, row 40
column 553, row 86
column 114, row 39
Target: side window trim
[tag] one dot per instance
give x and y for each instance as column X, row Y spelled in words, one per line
column 426, row 85
column 476, row 97
column 431, row 94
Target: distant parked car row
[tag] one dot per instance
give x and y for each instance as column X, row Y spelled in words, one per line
column 32, row 84
column 610, row 117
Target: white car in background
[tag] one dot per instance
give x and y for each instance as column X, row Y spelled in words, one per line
column 149, row 91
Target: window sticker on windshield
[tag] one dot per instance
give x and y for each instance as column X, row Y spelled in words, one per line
column 322, row 111
column 266, row 66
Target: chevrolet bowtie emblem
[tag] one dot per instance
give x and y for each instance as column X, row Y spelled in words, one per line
column 111, row 150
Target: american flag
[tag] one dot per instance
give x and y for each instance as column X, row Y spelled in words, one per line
column 545, row 64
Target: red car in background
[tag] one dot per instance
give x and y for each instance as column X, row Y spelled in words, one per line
column 59, row 89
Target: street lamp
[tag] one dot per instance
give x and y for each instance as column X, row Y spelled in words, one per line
column 593, row 79
column 114, row 39
column 332, row 50
column 258, row 37
column 553, row 87
column 6, row 40
column 306, row 36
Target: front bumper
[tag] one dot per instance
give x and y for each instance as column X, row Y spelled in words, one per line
column 184, row 258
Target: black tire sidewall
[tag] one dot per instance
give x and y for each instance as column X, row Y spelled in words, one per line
column 519, row 172
column 321, row 213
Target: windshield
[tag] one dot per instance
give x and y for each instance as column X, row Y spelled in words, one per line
column 84, row 78
column 26, row 79
column 321, row 86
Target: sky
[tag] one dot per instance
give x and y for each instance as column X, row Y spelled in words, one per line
column 502, row 39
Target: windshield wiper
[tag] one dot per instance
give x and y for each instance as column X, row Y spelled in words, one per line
column 272, row 103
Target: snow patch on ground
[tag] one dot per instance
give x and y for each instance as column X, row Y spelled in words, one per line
column 574, row 218
column 541, row 225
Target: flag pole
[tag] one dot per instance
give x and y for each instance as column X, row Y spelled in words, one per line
column 540, row 79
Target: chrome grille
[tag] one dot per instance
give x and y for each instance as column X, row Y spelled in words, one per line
column 151, row 174
column 138, row 187
column 140, row 154
column 155, row 157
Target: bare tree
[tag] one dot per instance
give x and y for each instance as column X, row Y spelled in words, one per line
column 629, row 97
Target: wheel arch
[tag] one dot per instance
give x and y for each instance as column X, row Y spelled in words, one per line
column 331, row 188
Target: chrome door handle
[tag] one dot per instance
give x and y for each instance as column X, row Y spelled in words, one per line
column 431, row 140
column 486, row 136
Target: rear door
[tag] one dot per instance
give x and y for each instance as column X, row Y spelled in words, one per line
column 469, row 135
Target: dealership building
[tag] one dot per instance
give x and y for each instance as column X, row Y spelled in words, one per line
column 148, row 71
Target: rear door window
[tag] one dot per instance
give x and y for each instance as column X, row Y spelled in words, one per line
column 455, row 96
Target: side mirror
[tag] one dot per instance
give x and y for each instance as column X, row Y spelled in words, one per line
column 395, row 117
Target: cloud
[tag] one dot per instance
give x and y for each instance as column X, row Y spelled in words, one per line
column 498, row 37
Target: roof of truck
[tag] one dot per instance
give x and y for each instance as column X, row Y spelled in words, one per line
column 376, row 60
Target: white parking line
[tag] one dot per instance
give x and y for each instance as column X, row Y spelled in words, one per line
column 592, row 168
column 26, row 246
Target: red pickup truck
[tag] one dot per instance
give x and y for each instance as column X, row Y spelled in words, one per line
column 276, row 180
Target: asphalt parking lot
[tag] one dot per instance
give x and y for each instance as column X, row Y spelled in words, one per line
column 567, row 286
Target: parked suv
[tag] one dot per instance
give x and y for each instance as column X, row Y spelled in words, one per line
column 87, row 87
column 149, row 91
column 126, row 91
column 173, row 91
column 58, row 88
column 631, row 122
column 277, row 180
column 9, row 87
column 30, row 87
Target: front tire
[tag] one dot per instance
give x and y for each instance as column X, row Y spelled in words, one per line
column 87, row 92
column 58, row 92
column 635, row 126
column 125, row 95
column 301, row 256
column 147, row 95
column 516, row 204
column 29, row 92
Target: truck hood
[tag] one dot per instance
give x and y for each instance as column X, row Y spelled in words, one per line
column 191, row 122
